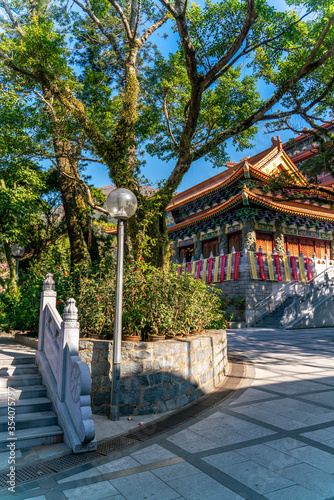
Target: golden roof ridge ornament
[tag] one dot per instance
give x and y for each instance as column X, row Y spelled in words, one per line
column 277, row 142
column 244, row 196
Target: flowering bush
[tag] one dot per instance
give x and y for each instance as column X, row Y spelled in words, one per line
column 154, row 301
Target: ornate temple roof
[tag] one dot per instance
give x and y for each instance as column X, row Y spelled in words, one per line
column 259, row 168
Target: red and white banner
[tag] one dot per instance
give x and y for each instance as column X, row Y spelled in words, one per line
column 294, row 268
column 188, row 267
column 179, row 269
column 236, row 265
column 308, row 269
column 278, row 267
column 222, row 268
column 210, row 270
column 199, row 267
column 261, row 266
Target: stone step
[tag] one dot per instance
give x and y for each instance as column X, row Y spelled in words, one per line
column 20, row 380
column 16, row 360
column 26, row 369
column 29, row 420
column 26, row 438
column 36, row 391
column 27, row 406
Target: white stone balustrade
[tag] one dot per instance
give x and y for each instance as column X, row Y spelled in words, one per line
column 67, row 378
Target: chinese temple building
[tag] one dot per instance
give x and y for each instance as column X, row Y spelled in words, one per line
column 234, row 210
column 215, row 224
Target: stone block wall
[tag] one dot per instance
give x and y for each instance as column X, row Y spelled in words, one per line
column 157, row 376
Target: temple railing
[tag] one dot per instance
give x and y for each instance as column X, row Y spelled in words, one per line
column 213, row 269
column 291, row 289
column 67, row 378
column 320, row 288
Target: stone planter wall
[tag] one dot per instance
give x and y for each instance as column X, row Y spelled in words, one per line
column 157, row 376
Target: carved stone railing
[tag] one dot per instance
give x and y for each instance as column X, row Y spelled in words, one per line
column 319, row 289
column 67, row 378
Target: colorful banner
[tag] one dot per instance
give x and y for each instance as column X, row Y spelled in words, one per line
column 286, row 268
column 199, row 266
column 179, row 269
column 294, row 268
column 261, row 265
column 222, row 268
column 229, row 267
column 210, row 270
column 308, row 269
column 270, row 267
column 251, row 259
column 188, row 267
column 236, row 265
column 205, row 263
column 184, row 268
column 301, row 270
column 193, row 269
column 278, row 267
column 215, row 276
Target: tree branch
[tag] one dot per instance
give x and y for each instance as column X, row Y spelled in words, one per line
column 151, row 30
column 11, row 17
column 167, row 120
column 251, row 17
column 124, row 20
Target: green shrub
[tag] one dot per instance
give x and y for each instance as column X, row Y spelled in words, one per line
column 154, row 301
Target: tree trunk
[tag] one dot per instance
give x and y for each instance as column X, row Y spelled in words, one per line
column 12, row 267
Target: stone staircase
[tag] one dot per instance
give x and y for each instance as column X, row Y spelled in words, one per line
column 35, row 422
column 273, row 319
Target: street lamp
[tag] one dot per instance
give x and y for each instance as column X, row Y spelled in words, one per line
column 121, row 204
column 17, row 252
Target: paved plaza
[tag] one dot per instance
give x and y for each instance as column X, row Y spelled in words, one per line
column 273, row 439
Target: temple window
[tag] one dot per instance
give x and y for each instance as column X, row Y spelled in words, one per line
column 265, row 241
column 235, row 240
column 209, row 246
column 308, row 246
column 186, row 253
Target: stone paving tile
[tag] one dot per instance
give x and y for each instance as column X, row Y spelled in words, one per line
column 81, row 475
column 144, row 485
column 119, row 464
column 175, row 471
column 311, row 478
column 151, row 454
column 313, row 456
column 95, row 491
column 321, row 435
column 284, row 444
column 192, row 442
column 269, row 458
column 255, row 476
column 294, row 493
column 226, row 458
column 203, row 487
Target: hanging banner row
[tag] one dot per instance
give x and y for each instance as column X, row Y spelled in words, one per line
column 281, row 267
column 213, row 270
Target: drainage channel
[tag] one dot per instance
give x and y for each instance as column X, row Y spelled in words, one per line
column 108, row 447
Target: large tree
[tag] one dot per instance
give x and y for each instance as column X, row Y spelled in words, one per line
column 185, row 107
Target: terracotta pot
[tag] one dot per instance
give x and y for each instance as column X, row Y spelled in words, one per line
column 131, row 338
column 155, row 338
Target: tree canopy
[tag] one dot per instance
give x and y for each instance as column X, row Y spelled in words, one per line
column 96, row 71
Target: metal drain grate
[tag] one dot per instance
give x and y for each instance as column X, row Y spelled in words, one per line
column 119, row 443
column 69, row 461
column 27, row 474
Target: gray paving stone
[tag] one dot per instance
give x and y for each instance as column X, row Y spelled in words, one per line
column 81, row 475
column 255, row 476
column 268, row 457
column 284, row 444
column 175, row 471
column 203, row 487
column 313, row 456
column 151, row 454
column 294, row 493
column 227, row 458
column 95, row 491
column 310, row 478
column 321, row 435
column 192, row 442
column 120, row 464
column 144, row 485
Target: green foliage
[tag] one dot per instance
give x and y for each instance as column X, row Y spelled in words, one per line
column 154, row 301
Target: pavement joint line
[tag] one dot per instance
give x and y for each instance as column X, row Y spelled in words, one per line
column 237, row 364
column 219, row 476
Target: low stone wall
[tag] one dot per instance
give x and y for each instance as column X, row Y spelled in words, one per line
column 157, row 376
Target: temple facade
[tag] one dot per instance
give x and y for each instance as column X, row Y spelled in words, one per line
column 230, row 230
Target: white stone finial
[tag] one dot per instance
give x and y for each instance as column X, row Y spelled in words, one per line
column 233, row 250
column 184, row 260
column 48, row 283
column 301, row 254
column 260, row 249
column 274, row 251
column 288, row 252
column 70, row 311
column 201, row 257
column 211, row 255
column 314, row 255
column 192, row 259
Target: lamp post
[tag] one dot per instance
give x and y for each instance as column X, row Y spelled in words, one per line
column 121, row 204
column 17, row 252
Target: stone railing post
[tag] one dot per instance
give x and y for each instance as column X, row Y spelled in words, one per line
column 48, row 296
column 69, row 338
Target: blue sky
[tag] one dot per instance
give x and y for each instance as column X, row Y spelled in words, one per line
column 156, row 169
